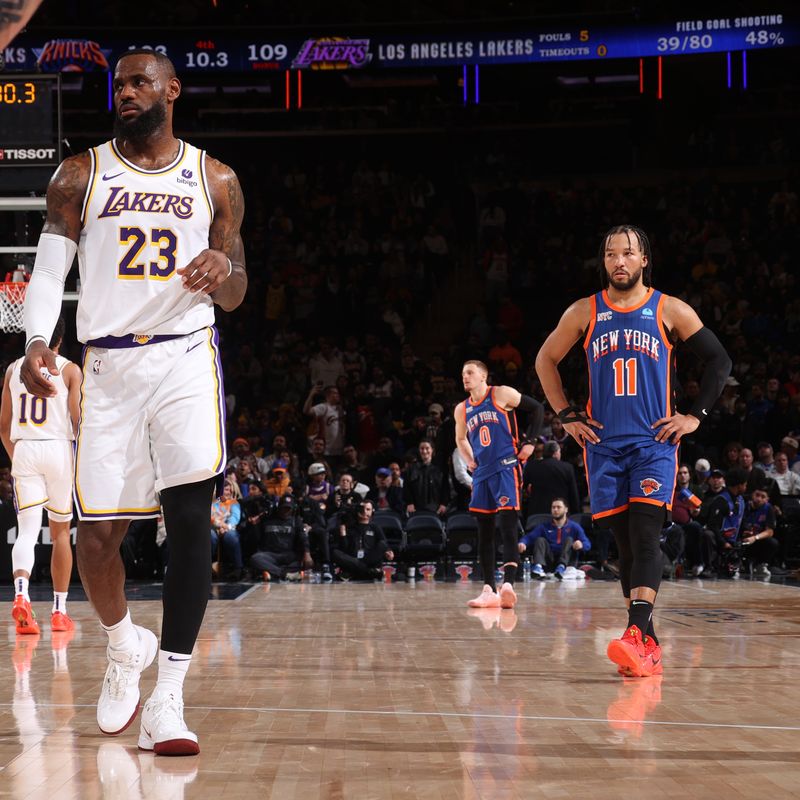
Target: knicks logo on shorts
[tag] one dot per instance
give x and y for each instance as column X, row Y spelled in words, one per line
column 504, row 501
column 649, row 485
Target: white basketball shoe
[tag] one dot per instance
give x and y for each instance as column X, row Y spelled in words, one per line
column 119, row 698
column 163, row 729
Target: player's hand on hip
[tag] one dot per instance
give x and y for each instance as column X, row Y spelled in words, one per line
column 582, row 432
column 206, row 272
column 672, row 428
column 39, row 360
column 525, row 452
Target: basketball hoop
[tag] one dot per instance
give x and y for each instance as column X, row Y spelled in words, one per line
column 12, row 302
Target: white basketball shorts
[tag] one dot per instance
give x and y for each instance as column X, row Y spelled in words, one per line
column 42, row 472
column 152, row 417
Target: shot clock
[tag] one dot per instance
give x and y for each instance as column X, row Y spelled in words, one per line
column 29, row 120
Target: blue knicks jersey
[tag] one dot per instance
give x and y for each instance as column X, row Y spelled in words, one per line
column 629, row 357
column 492, row 434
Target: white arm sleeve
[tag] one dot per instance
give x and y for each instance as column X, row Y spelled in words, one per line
column 460, row 470
column 54, row 257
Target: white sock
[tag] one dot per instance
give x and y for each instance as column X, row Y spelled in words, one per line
column 123, row 635
column 172, row 669
column 21, row 587
column 60, row 602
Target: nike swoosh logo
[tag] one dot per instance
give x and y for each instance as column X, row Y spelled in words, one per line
column 172, row 658
column 193, row 347
column 111, row 177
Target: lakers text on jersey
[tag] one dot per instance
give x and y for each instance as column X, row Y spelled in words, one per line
column 139, row 227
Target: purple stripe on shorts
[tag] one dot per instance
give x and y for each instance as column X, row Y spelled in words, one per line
column 220, row 465
column 134, row 340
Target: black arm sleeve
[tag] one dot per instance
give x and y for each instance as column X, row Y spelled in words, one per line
column 705, row 345
column 528, row 403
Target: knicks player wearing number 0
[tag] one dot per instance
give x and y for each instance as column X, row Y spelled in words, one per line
column 155, row 223
column 38, row 433
column 487, row 438
column 629, row 429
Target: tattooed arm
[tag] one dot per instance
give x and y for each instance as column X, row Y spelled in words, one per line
column 54, row 256
column 209, row 271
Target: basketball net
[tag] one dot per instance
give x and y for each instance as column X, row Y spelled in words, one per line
column 12, row 302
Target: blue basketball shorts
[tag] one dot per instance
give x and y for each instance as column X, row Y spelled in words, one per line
column 643, row 473
column 495, row 492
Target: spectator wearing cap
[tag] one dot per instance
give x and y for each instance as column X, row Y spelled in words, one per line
column 277, row 481
column 788, row 481
column 790, row 445
column 730, row 393
column 383, row 495
column 702, row 469
column 766, row 457
column 544, row 480
column 241, row 450
column 722, row 516
column 318, row 487
column 284, row 548
column 435, row 419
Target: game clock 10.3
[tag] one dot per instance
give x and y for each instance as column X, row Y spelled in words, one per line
column 29, row 120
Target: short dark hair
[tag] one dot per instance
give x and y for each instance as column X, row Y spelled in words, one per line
column 560, row 500
column 644, row 248
column 550, row 449
column 164, row 61
column 735, row 477
column 58, row 333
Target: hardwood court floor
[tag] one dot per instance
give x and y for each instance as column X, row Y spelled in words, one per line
column 396, row 691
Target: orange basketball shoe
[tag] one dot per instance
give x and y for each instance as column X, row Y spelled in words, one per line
column 629, row 652
column 488, row 598
column 61, row 622
column 652, row 652
column 24, row 616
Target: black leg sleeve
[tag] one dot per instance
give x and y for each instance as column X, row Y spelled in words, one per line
column 187, row 582
column 486, row 547
column 509, row 527
column 646, row 523
column 620, row 526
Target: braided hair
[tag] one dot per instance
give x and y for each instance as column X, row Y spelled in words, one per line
column 644, row 249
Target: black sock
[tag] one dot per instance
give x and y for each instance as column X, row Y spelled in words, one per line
column 510, row 573
column 639, row 614
column 651, row 631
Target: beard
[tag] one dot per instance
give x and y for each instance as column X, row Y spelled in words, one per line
column 143, row 126
column 629, row 283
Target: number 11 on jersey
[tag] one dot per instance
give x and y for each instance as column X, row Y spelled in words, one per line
column 624, row 377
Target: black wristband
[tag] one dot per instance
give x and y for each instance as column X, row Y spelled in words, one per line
column 572, row 414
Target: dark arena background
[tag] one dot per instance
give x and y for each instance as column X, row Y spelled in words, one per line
column 426, row 183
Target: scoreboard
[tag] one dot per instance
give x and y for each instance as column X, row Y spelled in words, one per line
column 29, row 120
column 246, row 52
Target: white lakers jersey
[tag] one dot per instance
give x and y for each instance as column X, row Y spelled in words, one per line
column 139, row 226
column 38, row 418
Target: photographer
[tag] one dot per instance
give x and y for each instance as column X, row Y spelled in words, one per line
column 360, row 546
column 284, row 547
column 313, row 518
column 256, row 507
